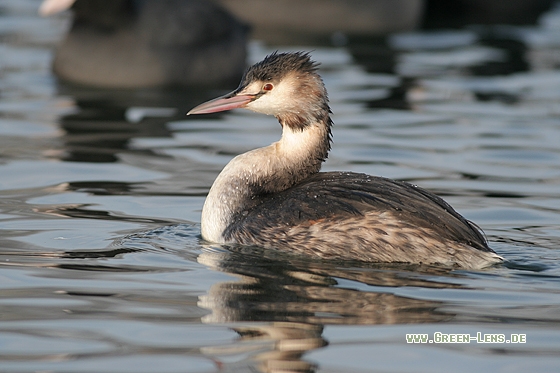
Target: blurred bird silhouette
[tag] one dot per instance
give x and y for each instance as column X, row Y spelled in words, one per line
column 147, row 43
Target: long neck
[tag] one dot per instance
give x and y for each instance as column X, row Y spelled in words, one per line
column 272, row 169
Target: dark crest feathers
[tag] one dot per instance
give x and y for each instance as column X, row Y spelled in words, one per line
column 276, row 65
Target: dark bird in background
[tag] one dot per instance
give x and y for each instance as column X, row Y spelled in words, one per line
column 148, row 43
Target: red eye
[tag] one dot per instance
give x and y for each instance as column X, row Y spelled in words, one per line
column 267, row 87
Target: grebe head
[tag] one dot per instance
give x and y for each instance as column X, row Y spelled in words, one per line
column 285, row 85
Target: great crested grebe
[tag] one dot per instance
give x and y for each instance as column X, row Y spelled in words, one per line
column 275, row 197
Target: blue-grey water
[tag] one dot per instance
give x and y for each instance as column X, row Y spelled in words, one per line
column 101, row 264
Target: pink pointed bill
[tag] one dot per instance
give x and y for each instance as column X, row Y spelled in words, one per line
column 222, row 104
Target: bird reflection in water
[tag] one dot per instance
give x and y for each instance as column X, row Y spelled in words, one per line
column 280, row 308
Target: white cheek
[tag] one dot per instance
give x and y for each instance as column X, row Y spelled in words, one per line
column 267, row 104
column 280, row 99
